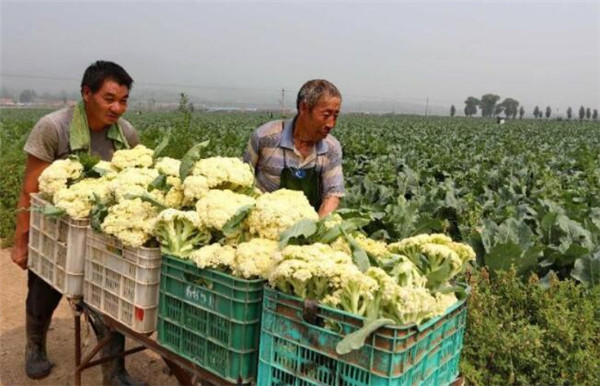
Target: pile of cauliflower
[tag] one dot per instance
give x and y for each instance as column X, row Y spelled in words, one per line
column 118, row 185
column 215, row 218
column 401, row 288
column 146, row 202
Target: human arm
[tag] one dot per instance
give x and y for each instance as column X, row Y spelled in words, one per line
column 33, row 168
column 41, row 148
column 328, row 205
column 332, row 179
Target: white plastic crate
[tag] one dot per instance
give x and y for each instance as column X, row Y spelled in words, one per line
column 57, row 249
column 122, row 282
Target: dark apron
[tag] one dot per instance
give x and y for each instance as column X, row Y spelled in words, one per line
column 305, row 180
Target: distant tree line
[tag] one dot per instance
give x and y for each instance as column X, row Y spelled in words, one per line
column 31, row 96
column 584, row 113
column 489, row 107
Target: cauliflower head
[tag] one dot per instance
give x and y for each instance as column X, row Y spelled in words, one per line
column 436, row 256
column 172, row 198
column 439, row 255
column 179, row 232
column 131, row 221
column 77, row 199
column 377, row 249
column 342, row 245
column 410, row 305
column 444, row 301
column 309, row 271
column 57, row 175
column 106, row 169
column 357, row 291
column 255, row 258
column 194, row 188
column 168, row 166
column 138, row 157
column 215, row 256
column 332, row 221
column 132, row 181
column 464, row 251
column 411, row 244
column 225, row 173
column 386, row 284
column 218, row 206
column 277, row 211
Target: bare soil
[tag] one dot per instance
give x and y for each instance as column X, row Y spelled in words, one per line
column 144, row 366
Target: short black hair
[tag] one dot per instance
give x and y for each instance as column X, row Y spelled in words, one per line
column 313, row 90
column 99, row 71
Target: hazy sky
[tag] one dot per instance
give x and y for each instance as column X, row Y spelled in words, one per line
column 545, row 53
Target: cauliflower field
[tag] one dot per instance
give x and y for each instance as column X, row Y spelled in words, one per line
column 525, row 195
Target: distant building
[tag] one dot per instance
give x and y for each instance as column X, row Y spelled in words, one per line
column 230, row 109
column 7, row 102
column 39, row 104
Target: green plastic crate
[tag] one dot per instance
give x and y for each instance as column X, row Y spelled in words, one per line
column 295, row 352
column 210, row 318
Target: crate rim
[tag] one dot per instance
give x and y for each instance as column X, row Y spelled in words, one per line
column 411, row 333
column 215, row 272
column 259, row 289
column 76, row 222
column 97, row 235
column 190, row 303
column 269, row 291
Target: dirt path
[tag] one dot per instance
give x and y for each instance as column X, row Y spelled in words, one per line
column 145, row 366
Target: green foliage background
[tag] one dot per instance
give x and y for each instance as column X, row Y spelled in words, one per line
column 524, row 194
column 521, row 333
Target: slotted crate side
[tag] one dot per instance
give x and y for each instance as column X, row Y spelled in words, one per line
column 210, row 318
column 56, row 249
column 122, row 277
column 33, row 259
column 126, row 289
column 241, row 336
column 233, row 365
column 140, row 319
column 141, row 257
column 295, row 352
column 41, row 251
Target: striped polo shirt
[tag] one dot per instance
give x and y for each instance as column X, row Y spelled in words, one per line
column 271, row 141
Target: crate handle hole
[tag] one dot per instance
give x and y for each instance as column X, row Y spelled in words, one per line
column 310, row 313
column 198, row 280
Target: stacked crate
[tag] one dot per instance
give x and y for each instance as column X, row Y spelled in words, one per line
column 295, row 352
column 122, row 282
column 57, row 249
column 211, row 318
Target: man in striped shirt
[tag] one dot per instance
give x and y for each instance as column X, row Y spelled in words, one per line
column 300, row 153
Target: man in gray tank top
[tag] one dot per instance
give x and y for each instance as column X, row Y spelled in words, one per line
column 94, row 126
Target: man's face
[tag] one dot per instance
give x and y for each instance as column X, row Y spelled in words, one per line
column 322, row 118
column 104, row 107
